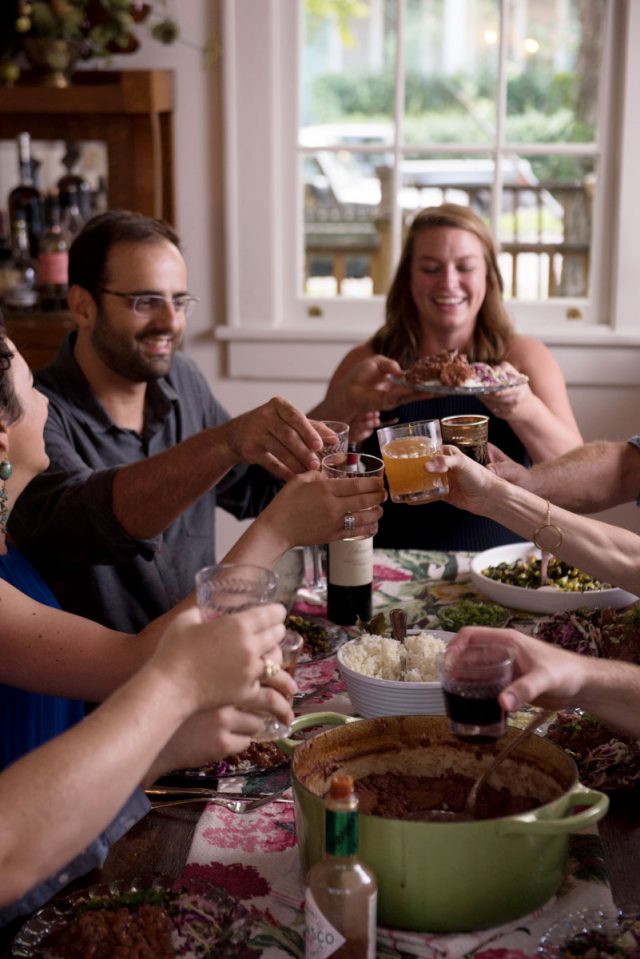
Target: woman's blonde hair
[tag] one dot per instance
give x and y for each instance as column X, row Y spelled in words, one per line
column 399, row 338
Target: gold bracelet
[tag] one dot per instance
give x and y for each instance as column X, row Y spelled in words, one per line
column 548, row 525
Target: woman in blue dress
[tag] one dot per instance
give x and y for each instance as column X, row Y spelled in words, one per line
column 447, row 295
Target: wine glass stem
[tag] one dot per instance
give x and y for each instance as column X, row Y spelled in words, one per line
column 316, row 557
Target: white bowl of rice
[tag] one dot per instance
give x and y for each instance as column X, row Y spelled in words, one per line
column 371, row 667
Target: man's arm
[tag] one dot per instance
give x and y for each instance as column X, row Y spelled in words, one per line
column 587, row 479
column 554, row 678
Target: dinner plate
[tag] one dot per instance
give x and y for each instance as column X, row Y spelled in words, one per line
column 590, row 925
column 335, row 636
column 547, row 599
column 229, row 928
column 440, row 389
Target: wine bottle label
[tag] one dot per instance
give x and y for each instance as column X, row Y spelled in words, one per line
column 351, row 562
column 53, row 268
column 321, row 939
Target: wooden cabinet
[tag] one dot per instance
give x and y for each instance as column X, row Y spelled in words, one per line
column 38, row 335
column 131, row 111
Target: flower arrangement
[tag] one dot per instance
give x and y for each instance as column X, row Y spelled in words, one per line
column 94, row 28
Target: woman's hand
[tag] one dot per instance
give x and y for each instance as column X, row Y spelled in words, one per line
column 220, row 663
column 511, row 403
column 311, row 509
column 469, row 482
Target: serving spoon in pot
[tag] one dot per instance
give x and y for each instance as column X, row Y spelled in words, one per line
column 536, row 720
column 398, row 620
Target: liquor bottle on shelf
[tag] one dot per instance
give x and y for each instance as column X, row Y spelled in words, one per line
column 53, row 261
column 19, row 276
column 74, row 186
column 350, row 572
column 25, row 198
column 72, row 218
column 341, row 897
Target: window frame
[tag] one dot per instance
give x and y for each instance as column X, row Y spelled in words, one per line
column 264, row 221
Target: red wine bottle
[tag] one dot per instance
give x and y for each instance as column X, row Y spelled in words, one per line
column 350, row 573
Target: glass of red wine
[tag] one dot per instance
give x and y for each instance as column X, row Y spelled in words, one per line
column 472, row 679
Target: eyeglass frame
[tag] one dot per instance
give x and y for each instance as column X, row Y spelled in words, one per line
column 185, row 306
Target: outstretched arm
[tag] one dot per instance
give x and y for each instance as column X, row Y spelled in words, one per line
column 587, row 479
column 608, row 552
column 539, row 412
column 96, row 765
column 555, row 678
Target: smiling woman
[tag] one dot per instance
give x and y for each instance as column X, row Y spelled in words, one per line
column 447, row 295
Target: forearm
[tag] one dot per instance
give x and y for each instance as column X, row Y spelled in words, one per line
column 611, row 692
column 94, row 767
column 589, row 478
column 608, row 552
column 544, row 434
column 150, row 494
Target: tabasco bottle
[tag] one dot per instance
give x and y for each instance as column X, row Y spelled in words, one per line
column 340, row 904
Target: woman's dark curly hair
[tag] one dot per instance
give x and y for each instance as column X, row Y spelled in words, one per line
column 10, row 409
column 400, row 336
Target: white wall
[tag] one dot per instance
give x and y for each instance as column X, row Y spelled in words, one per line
column 604, row 387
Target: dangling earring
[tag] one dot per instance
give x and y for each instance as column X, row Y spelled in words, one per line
column 6, row 469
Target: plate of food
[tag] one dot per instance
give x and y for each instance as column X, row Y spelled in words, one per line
column 256, row 760
column 592, row 934
column 510, row 575
column 321, row 637
column 466, row 612
column 450, row 372
column 607, row 761
column 182, row 917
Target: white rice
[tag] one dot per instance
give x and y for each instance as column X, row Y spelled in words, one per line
column 379, row 656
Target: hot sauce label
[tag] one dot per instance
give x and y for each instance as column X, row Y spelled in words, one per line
column 321, row 939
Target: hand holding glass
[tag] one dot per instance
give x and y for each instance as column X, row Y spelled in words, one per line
column 318, row 583
column 472, row 678
column 231, row 588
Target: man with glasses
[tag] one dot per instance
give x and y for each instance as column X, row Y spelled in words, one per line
column 140, row 451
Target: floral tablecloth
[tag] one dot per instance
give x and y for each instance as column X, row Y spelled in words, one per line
column 255, row 857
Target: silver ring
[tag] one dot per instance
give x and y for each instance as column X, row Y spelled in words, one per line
column 349, row 522
column 269, row 670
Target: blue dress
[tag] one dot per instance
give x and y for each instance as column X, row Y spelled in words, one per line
column 29, row 719
column 438, row 525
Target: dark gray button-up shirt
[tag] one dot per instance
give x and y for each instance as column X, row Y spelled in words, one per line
column 64, row 521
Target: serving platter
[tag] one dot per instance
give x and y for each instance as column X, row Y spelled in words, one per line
column 546, row 599
column 441, row 389
column 229, row 928
column 335, row 636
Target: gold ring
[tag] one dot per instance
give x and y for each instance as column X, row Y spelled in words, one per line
column 269, row 670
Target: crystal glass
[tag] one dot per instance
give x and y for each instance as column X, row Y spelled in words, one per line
column 405, row 450
column 229, row 588
column 316, row 587
column 469, row 433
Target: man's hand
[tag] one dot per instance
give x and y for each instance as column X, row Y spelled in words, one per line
column 506, row 468
column 277, row 436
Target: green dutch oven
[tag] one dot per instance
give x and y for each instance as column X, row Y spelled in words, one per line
column 445, row 876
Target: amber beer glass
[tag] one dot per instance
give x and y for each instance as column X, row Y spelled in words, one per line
column 405, row 450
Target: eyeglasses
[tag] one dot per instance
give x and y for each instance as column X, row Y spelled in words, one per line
column 150, row 304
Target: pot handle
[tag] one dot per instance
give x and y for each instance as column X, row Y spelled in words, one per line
column 313, row 719
column 597, row 805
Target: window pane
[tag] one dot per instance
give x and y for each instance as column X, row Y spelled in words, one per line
column 546, row 227
column 553, row 69
column 348, row 62
column 451, row 70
